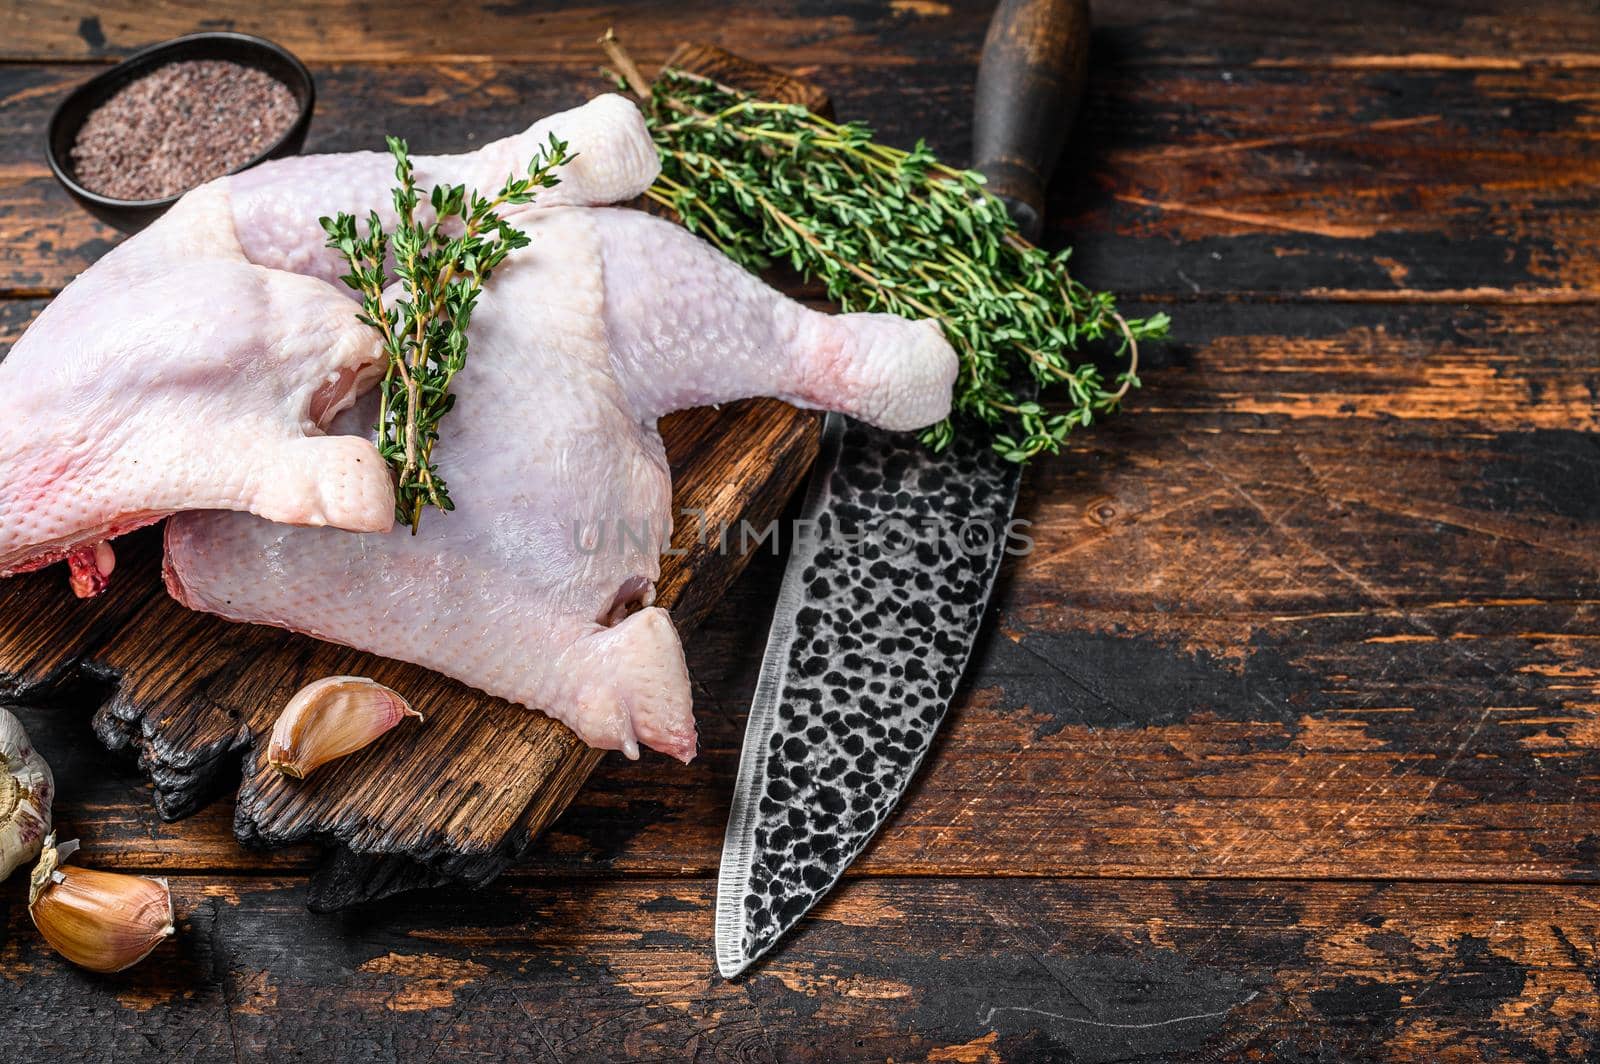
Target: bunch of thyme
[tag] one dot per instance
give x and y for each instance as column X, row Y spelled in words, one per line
column 890, row 230
column 442, row 265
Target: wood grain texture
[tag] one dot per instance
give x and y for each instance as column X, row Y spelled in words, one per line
column 891, row 33
column 1334, row 184
column 957, row 970
column 1322, row 605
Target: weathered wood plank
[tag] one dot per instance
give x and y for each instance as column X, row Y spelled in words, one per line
column 1341, row 184
column 1357, row 34
column 790, row 32
column 900, row 969
column 889, row 33
column 1322, row 602
column 1344, row 184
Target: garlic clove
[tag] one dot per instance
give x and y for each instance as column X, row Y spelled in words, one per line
column 331, row 718
column 26, row 789
column 101, row 921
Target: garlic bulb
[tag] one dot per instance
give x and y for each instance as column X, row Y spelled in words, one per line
column 331, row 718
column 26, row 788
column 101, row 921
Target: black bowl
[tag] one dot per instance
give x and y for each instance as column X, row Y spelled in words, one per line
column 133, row 215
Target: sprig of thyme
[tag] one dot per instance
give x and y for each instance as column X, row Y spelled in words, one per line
column 890, row 230
column 442, row 265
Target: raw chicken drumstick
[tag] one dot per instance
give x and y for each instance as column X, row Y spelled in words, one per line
column 608, row 320
column 194, row 366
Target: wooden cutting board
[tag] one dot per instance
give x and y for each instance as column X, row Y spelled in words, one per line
column 458, row 798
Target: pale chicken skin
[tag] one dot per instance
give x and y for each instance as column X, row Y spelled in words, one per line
column 610, row 319
column 194, row 366
column 213, row 363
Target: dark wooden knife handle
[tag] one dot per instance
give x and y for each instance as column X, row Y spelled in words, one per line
column 1035, row 58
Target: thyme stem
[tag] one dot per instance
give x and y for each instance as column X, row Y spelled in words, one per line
column 894, row 230
column 424, row 327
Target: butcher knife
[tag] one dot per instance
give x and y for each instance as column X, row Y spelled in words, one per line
column 892, row 564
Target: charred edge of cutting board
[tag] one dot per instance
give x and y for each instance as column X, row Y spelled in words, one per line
column 184, row 777
column 348, row 877
column 46, row 633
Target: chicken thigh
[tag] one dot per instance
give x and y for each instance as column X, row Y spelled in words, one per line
column 538, row 587
column 195, row 365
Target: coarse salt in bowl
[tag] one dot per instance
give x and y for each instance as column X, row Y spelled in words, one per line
column 127, row 143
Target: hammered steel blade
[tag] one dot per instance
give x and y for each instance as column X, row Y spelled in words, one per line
column 892, row 566
column 887, row 583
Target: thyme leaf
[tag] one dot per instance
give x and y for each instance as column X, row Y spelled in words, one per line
column 441, row 265
column 886, row 229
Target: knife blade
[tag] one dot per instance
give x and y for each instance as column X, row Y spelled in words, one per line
column 891, row 568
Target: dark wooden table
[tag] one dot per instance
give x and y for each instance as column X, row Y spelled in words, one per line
column 1284, row 743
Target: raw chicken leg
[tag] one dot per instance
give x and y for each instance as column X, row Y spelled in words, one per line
column 194, row 366
column 608, row 320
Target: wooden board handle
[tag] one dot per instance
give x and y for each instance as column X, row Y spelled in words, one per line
column 1035, row 59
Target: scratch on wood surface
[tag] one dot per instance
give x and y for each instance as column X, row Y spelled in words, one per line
column 1110, row 755
column 1245, row 555
column 1286, row 140
column 1000, row 770
column 1445, row 607
column 1425, row 61
column 1332, row 230
column 1125, row 521
column 1497, row 296
column 1276, row 522
column 222, row 975
column 535, row 1023
column 989, row 1016
column 1350, row 813
column 1469, row 520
